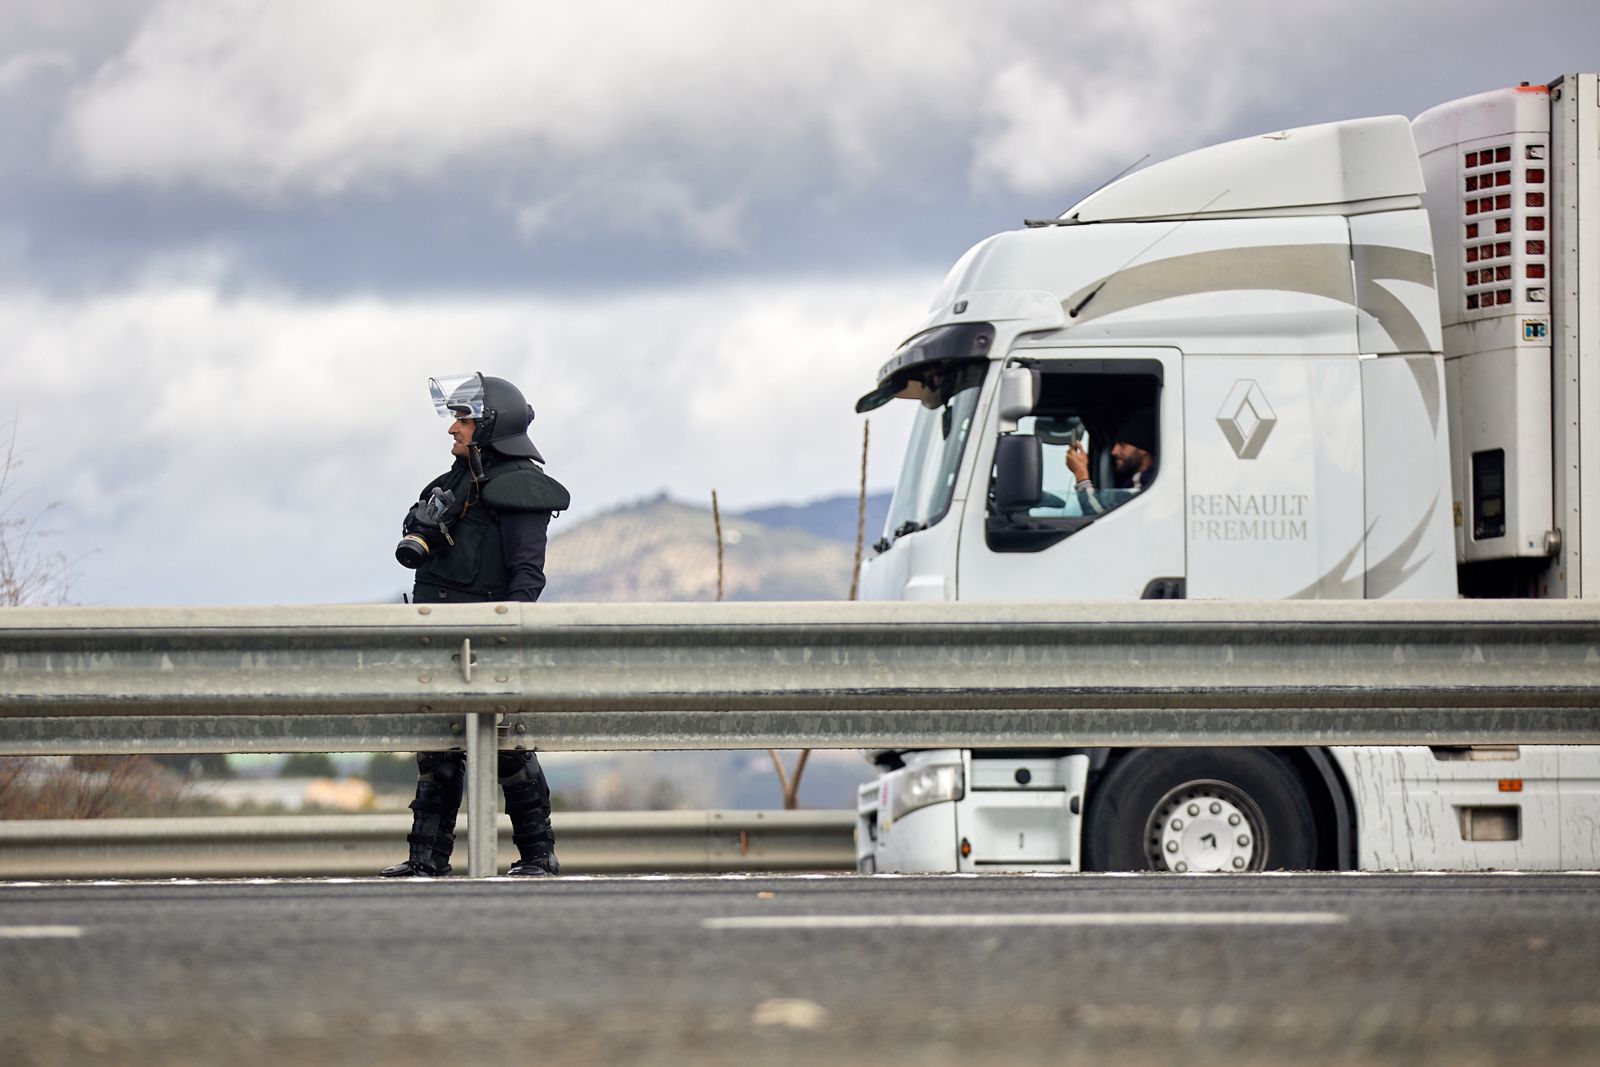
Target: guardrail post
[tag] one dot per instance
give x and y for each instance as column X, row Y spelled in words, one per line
column 482, row 778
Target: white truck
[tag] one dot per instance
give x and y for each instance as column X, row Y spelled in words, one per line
column 1360, row 359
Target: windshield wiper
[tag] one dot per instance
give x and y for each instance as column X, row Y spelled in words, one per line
column 1073, row 219
column 907, row 527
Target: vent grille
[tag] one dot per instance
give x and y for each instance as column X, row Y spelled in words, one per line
column 1503, row 190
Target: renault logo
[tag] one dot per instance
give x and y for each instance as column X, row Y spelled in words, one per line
column 1246, row 418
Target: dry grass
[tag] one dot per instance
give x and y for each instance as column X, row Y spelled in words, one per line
column 89, row 787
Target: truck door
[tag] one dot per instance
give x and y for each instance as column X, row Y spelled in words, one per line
column 1119, row 534
column 1276, row 503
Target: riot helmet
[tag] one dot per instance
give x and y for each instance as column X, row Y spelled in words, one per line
column 502, row 413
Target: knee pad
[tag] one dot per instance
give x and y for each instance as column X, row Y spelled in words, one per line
column 517, row 765
column 440, row 766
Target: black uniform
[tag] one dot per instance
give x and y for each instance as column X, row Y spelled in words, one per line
column 497, row 532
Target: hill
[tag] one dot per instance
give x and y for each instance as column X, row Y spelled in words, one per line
column 664, row 550
column 832, row 518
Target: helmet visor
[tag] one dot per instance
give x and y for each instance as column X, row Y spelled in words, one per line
column 458, row 396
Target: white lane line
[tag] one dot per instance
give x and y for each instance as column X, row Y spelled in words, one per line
column 30, row 933
column 1121, row 918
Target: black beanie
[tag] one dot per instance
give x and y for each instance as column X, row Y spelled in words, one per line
column 1138, row 430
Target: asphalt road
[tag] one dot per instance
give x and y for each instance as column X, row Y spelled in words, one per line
column 1078, row 969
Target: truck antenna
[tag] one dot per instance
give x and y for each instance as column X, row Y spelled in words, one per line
column 1059, row 221
column 1090, row 295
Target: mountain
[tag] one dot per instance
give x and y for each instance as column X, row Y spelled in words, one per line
column 832, row 518
column 664, row 550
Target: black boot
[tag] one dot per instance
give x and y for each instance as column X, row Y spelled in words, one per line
column 433, row 819
column 528, row 803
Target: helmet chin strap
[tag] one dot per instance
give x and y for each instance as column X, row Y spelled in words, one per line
column 483, row 432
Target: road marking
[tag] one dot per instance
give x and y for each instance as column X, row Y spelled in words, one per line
column 29, row 933
column 1111, row 918
column 1150, row 878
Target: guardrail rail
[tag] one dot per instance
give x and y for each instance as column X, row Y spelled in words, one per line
column 305, row 846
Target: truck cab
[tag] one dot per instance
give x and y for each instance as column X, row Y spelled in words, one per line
column 1333, row 360
column 1269, row 307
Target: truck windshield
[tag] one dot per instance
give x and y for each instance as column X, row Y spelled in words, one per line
column 938, row 436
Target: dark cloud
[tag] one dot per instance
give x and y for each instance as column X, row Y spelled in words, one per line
column 442, row 241
column 842, row 170
column 240, row 235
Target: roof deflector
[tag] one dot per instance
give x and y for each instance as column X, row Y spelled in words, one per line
column 1337, row 165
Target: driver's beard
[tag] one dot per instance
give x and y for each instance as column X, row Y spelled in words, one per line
column 1128, row 469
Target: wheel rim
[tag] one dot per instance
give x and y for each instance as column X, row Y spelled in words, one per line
column 1206, row 825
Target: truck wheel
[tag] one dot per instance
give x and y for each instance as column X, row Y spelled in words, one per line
column 1180, row 809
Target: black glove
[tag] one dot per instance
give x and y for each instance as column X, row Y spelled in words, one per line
column 425, row 529
column 430, row 514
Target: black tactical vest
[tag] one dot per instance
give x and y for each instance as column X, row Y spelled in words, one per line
column 473, row 570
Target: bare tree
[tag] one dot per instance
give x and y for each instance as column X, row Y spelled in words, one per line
column 30, row 573
column 93, row 787
column 789, row 784
column 34, row 575
column 716, row 519
column 861, row 511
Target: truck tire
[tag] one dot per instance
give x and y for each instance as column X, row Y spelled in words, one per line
column 1187, row 809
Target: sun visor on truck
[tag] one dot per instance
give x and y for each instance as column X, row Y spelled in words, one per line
column 956, row 343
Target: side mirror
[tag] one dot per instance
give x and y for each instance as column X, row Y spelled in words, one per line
column 1019, row 391
column 1018, row 473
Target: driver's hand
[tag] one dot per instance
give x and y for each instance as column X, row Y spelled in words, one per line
column 1078, row 462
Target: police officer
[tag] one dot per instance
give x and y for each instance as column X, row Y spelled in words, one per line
column 478, row 533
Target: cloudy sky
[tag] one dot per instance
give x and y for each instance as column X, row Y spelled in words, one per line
column 237, row 236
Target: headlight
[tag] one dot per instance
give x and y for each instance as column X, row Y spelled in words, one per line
column 919, row 787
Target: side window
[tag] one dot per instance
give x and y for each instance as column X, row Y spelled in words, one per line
column 1098, row 430
column 1057, row 435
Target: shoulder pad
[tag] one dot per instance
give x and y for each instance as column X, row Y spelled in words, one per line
column 526, row 489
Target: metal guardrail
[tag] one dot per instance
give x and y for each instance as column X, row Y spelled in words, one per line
column 359, row 845
column 816, row 675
